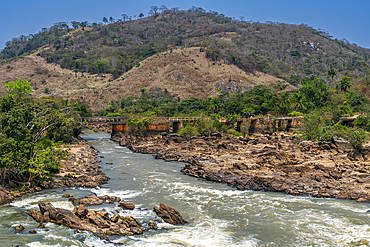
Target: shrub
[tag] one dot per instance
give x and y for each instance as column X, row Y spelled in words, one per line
column 311, row 127
column 295, row 114
column 356, row 137
column 114, row 115
column 188, row 130
column 219, row 126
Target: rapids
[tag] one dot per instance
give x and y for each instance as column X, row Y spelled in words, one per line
column 218, row 215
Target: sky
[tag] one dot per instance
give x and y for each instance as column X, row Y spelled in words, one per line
column 347, row 19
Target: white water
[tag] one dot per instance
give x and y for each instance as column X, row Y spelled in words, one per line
column 218, row 215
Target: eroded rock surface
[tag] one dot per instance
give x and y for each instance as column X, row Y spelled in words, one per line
column 280, row 163
column 4, row 196
column 169, row 214
column 97, row 222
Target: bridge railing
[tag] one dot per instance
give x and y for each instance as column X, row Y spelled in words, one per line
column 109, row 120
column 123, row 120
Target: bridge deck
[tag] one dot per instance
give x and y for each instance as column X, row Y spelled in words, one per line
column 123, row 120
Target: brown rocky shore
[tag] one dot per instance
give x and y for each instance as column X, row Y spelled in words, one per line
column 81, row 169
column 278, row 163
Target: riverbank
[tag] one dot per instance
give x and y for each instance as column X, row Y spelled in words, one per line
column 277, row 163
column 81, row 169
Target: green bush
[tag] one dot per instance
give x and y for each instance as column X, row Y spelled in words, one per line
column 219, row 126
column 356, row 137
column 295, row 114
column 188, row 130
column 114, row 115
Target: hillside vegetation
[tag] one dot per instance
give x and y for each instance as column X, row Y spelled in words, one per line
column 285, row 51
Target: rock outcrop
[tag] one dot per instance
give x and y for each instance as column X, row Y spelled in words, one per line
column 169, row 214
column 90, row 220
column 98, row 200
column 278, row 163
column 4, row 196
column 127, row 205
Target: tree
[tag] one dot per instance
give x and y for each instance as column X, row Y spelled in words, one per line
column 30, row 135
column 83, row 25
column 345, row 83
column 100, row 66
column 154, row 9
column 75, row 70
column 18, row 87
column 141, row 15
column 296, row 101
column 111, row 19
column 332, row 72
column 105, row 20
column 75, row 24
column 124, row 17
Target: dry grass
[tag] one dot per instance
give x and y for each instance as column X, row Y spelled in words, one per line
column 185, row 72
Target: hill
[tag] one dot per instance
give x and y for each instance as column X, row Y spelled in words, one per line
column 188, row 52
column 183, row 72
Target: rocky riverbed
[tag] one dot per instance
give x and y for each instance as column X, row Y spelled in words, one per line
column 278, row 163
column 81, row 169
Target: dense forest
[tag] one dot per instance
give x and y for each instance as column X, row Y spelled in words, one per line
column 290, row 52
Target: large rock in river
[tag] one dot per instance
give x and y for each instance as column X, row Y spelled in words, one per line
column 4, row 197
column 169, row 214
column 89, row 220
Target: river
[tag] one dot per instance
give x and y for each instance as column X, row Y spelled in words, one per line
column 218, row 215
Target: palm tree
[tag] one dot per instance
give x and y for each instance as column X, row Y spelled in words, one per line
column 332, row 72
column 345, row 83
column 296, row 101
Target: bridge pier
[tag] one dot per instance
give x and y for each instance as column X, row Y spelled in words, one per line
column 175, row 127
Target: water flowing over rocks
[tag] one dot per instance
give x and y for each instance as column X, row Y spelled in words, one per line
column 278, row 163
column 97, row 222
column 169, row 214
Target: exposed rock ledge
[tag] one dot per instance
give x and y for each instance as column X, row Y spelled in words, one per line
column 279, row 163
column 81, row 218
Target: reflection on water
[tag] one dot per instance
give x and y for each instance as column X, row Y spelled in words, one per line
column 218, row 215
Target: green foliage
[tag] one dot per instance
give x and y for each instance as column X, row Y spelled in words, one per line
column 138, row 126
column 18, row 87
column 31, row 133
column 188, row 130
column 295, row 114
column 255, row 46
column 114, row 115
column 345, row 83
column 356, row 137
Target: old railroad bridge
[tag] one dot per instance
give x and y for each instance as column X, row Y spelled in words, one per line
column 173, row 124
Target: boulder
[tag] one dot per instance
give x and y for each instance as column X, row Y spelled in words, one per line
column 32, row 231
column 97, row 219
column 81, row 211
column 4, row 197
column 19, row 228
column 127, row 205
column 60, row 216
column 36, row 215
column 88, row 201
column 152, row 225
column 66, row 195
column 169, row 214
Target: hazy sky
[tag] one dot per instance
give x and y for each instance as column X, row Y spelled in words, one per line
column 341, row 18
